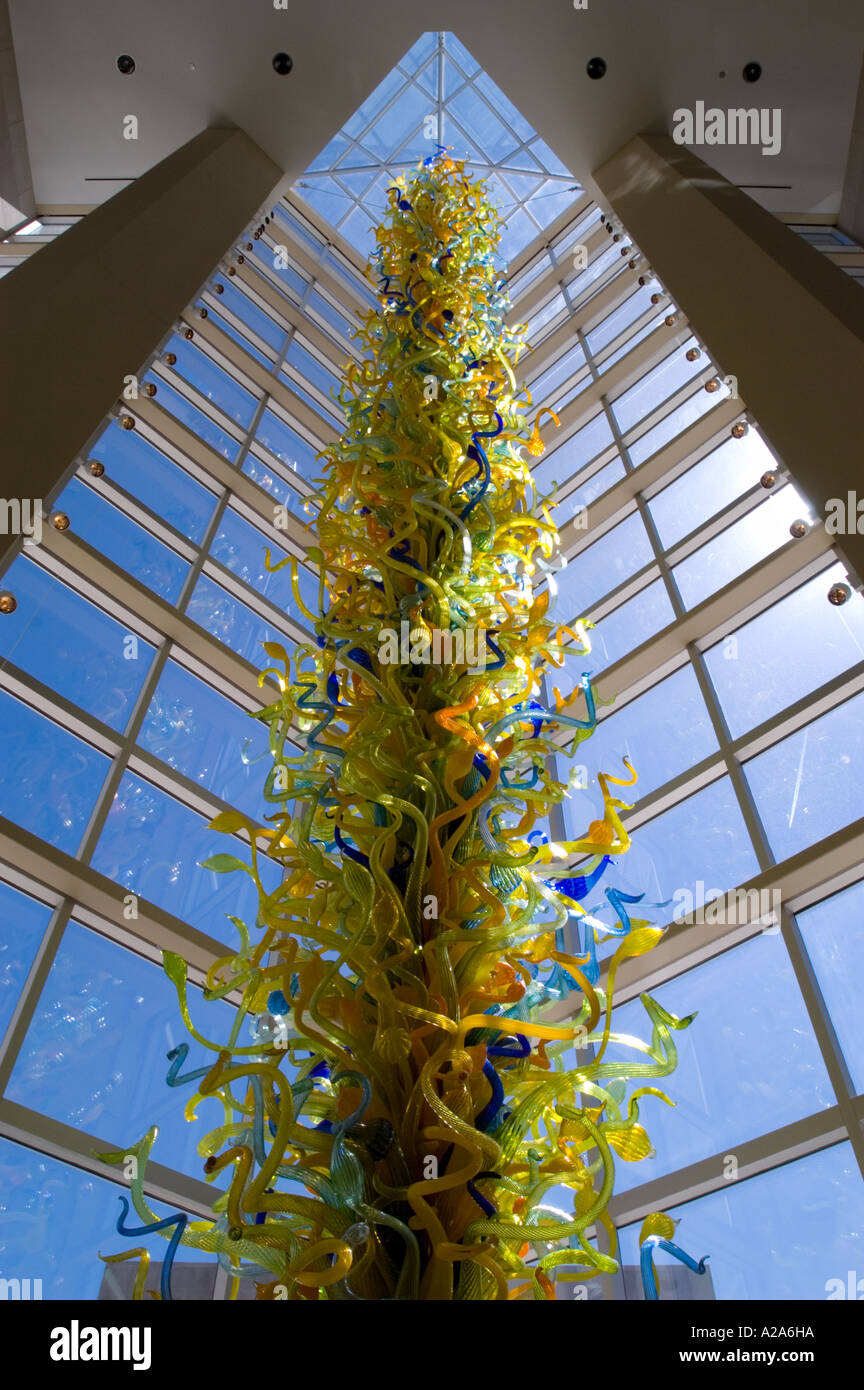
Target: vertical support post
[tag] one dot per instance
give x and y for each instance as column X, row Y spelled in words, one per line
column 89, row 308
column 773, row 312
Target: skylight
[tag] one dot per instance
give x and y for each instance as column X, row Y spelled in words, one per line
column 437, row 94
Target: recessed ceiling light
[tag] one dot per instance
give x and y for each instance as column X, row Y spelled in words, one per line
column 596, row 68
column 752, row 72
column 283, row 63
column 126, row 64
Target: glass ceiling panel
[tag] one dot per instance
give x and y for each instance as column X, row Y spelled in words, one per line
column 437, row 94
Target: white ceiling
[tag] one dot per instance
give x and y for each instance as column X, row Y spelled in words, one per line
column 661, row 55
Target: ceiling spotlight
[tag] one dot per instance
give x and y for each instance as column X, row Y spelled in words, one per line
column 596, row 68
column 126, row 64
column 751, row 72
column 283, row 63
column 839, row 594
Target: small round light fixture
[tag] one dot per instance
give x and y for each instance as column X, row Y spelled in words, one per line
column 839, row 594
column 692, row 354
column 798, row 529
column 97, row 468
column 282, row 63
column 8, row 602
column 149, row 388
column 712, row 385
column 60, row 521
column 740, row 429
column 768, row 480
column 203, row 313
column 126, row 64
column 189, row 334
column 751, row 72
column 170, row 358
column 220, row 289
column 670, row 320
column 127, row 422
column 656, row 298
column 596, row 68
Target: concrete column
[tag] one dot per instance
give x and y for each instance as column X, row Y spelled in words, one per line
column 89, row 308
column 16, row 182
column 769, row 308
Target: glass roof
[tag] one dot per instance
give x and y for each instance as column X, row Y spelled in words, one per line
column 437, row 94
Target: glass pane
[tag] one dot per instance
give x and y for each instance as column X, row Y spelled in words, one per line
column 482, row 124
column 214, row 383
column 724, row 474
column 23, row 922
column 332, row 315
column 57, row 1219
column 231, row 621
column 548, row 384
column 577, row 451
column 581, row 283
column 49, row 778
column 756, row 1251
column 675, row 423
column 300, row 231
column 240, row 547
column 330, row 415
column 152, row 845
column 582, row 497
column 699, row 847
column 71, row 646
column 739, row 547
column 658, row 747
column 313, row 370
column 190, row 726
column 615, row 323
column 555, row 306
column 195, row 419
column 748, row 1063
column 810, row 784
column 833, row 933
column 236, row 302
column 273, row 483
column 123, row 541
column 238, row 337
column 601, row 567
column 95, row 1054
column 628, row 626
column 350, row 277
column 288, row 446
column 656, row 386
column 751, row 670
column 158, row 482
column 630, row 343
column 275, row 265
